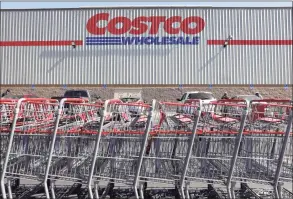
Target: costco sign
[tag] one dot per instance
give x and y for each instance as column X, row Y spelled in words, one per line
column 143, row 25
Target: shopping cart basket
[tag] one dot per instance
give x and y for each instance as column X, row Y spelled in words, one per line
column 216, row 142
column 166, row 146
column 73, row 142
column 26, row 154
column 265, row 155
column 119, row 143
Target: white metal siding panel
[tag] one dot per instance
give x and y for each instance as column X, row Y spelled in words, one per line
column 147, row 64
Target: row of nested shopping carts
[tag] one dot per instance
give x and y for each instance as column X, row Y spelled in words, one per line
column 222, row 142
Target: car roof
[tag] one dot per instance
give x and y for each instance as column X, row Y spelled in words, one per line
column 19, row 96
column 130, row 98
column 245, row 95
column 199, row 92
column 75, row 90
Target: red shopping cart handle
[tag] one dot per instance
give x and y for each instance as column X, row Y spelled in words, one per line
column 273, row 100
column 229, row 100
column 119, row 102
column 7, row 100
column 113, row 101
column 38, row 100
column 72, row 100
column 177, row 104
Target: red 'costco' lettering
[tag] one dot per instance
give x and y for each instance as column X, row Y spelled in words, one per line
column 142, row 24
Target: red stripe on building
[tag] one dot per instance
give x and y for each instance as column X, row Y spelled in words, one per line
column 40, row 43
column 251, row 42
column 209, row 42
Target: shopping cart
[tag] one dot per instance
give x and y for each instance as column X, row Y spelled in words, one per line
column 7, row 110
column 6, row 117
column 119, row 143
column 73, row 141
column 269, row 114
column 166, row 146
column 33, row 121
column 216, row 142
column 265, row 155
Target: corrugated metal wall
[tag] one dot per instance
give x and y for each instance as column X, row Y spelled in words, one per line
column 147, row 64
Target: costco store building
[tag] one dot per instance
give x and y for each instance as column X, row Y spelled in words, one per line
column 155, row 46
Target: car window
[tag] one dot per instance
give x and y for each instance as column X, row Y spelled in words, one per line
column 202, row 96
column 19, row 96
column 68, row 94
column 129, row 99
column 183, row 97
column 249, row 98
column 75, row 94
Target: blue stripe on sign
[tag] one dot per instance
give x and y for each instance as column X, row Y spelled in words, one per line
column 94, row 42
column 103, row 41
column 103, row 44
column 103, row 37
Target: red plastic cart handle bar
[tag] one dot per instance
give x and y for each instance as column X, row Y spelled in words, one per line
column 43, row 103
column 192, row 100
column 230, row 100
column 272, row 100
column 137, row 104
column 273, row 105
column 8, row 103
column 134, row 104
column 113, row 101
column 245, row 132
column 140, row 102
column 39, row 100
column 7, row 100
column 155, row 132
column 130, row 104
column 226, row 104
column 84, row 104
column 75, row 100
column 177, row 104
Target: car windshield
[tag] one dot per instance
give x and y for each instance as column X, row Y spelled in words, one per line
column 202, row 96
column 19, row 96
column 128, row 99
column 75, row 94
column 12, row 97
column 249, row 97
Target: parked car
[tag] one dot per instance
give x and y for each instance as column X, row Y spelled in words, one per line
column 131, row 99
column 259, row 109
column 206, row 97
column 130, row 96
column 85, row 94
column 248, row 98
column 19, row 96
